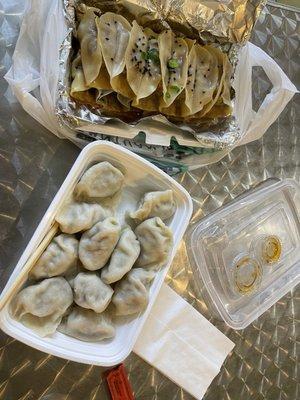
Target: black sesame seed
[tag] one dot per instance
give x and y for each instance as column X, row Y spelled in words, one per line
column 115, row 22
column 208, row 70
column 174, row 78
column 203, row 91
column 192, row 90
column 107, row 23
column 106, row 38
column 204, row 76
column 200, row 102
column 188, row 82
column 112, row 59
column 139, row 39
column 180, row 45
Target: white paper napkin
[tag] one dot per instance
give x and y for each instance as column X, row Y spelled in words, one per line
column 183, row 345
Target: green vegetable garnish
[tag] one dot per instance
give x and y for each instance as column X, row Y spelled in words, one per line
column 151, row 54
column 167, row 95
column 175, row 88
column 173, row 63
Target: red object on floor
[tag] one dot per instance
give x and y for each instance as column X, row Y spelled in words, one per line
column 118, row 384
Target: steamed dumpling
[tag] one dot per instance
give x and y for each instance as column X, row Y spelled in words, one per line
column 89, row 39
column 87, row 325
column 142, row 62
column 60, row 255
column 155, row 204
column 131, row 293
column 97, row 244
column 79, row 216
column 41, row 306
column 173, row 52
column 99, row 181
column 156, row 241
column 123, row 257
column 90, row 292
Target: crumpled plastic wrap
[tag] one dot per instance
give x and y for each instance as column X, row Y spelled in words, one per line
column 227, row 24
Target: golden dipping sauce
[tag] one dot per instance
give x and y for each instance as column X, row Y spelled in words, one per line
column 247, row 274
column 271, row 249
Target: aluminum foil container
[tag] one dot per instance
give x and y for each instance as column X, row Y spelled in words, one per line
column 227, row 24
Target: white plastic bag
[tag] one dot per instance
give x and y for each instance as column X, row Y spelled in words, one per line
column 36, row 66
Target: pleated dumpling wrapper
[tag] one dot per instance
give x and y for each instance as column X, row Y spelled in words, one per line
column 97, row 244
column 131, row 294
column 114, row 38
column 123, row 257
column 155, row 204
column 202, row 79
column 223, row 87
column 58, row 258
column 87, row 325
column 41, row 307
column 156, row 240
column 79, row 88
column 99, row 181
column 89, row 39
column 90, row 292
column 173, row 54
column 76, row 216
column 142, row 62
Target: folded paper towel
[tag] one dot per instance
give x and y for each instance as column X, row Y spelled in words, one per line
column 183, row 345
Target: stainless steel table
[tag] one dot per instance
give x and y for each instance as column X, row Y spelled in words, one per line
column 33, row 163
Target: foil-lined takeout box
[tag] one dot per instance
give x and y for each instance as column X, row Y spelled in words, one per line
column 227, row 25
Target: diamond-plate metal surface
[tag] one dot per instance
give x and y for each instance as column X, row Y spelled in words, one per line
column 33, row 163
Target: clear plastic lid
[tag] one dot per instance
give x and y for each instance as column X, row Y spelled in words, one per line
column 247, row 252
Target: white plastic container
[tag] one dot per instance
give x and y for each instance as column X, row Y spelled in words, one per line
column 140, row 177
column 226, row 251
